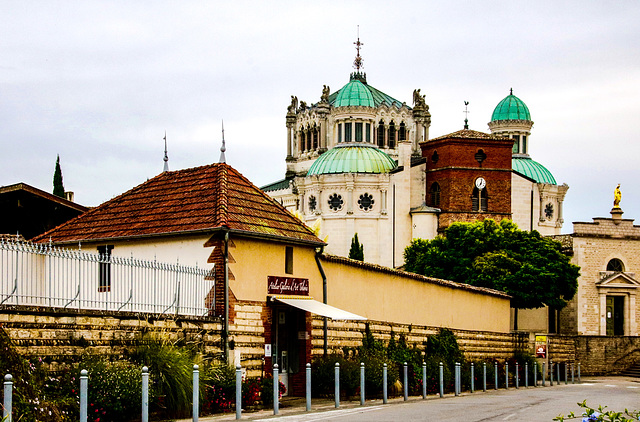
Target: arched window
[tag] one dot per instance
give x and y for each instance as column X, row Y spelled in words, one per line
column 309, row 138
column 392, row 135
column 434, row 194
column 339, row 132
column 315, row 137
column 615, row 265
column 303, row 140
column 381, row 134
column 479, row 199
column 402, row 132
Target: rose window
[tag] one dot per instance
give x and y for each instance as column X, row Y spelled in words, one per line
column 365, row 202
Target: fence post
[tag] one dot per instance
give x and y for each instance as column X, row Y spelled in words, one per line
column 196, row 393
column 424, row 380
column 517, row 375
column 506, row 375
column 238, row 392
column 308, row 387
column 145, row 394
column 337, row 385
column 495, row 374
column 84, row 386
column 456, row 382
column 566, row 379
column 551, row 373
column 544, row 373
column 579, row 378
column 441, row 380
column 276, row 390
column 473, row 381
column 484, row 377
column 573, row 380
column 526, row 375
column 535, row 374
column 406, row 382
column 8, row 397
column 361, row 383
column 558, row 372
column 384, row 383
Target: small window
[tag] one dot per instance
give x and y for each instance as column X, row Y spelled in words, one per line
column 366, row 202
column 514, row 150
column 524, row 144
column 288, row 260
column 339, row 132
column 315, row 138
column 402, row 133
column 479, row 200
column 548, row 211
column 434, row 194
column 347, row 132
column 104, row 268
column 335, row 202
column 381, row 134
column 368, row 134
column 312, row 203
column 303, row 140
column 615, row 265
column 480, row 156
column 392, row 135
column 435, row 157
column 359, row 132
column 309, row 139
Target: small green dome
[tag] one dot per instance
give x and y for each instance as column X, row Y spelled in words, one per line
column 352, row 158
column 533, row 170
column 355, row 93
column 511, row 108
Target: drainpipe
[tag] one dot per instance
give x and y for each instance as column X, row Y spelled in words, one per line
column 324, row 297
column 226, row 297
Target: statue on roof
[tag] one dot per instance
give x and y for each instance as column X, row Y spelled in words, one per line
column 294, row 105
column 325, row 94
column 303, row 106
column 418, row 99
column 617, row 195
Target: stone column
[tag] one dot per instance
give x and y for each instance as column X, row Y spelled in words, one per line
column 323, row 114
column 603, row 314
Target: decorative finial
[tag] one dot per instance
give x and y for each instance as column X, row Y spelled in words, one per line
column 357, row 63
column 223, row 148
column 466, row 115
column 511, row 91
column 166, row 157
column 617, row 195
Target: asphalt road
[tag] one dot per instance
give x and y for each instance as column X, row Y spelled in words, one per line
column 532, row 404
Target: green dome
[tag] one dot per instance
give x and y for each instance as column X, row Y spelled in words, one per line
column 533, row 170
column 352, row 159
column 511, row 108
column 355, row 93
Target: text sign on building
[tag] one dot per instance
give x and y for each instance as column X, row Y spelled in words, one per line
column 287, row 286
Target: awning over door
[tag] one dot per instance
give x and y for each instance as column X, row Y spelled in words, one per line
column 318, row 308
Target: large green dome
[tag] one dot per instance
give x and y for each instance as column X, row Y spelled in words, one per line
column 359, row 93
column 350, row 158
column 511, row 108
column 533, row 170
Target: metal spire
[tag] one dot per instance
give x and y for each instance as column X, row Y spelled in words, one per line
column 357, row 63
column 466, row 115
column 166, row 157
column 222, row 148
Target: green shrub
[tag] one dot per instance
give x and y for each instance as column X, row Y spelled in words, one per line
column 218, row 388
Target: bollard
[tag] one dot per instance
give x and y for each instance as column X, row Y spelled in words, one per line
column 473, row 381
column 441, row 380
column 526, row 375
column 566, row 379
column 84, row 387
column 506, row 375
column 495, row 373
column 579, row 378
column 484, row 377
column 8, row 398
column 276, row 390
column 308, row 387
column 535, row 374
column 196, row 393
column 238, row 392
column 558, row 372
column 337, row 385
column 517, row 376
column 384, row 383
column 361, row 383
column 573, row 380
column 424, row 380
column 551, row 373
column 544, row 373
column 406, row 383
column 145, row 394
column 456, row 382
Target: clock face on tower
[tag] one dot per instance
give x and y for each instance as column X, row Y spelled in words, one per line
column 481, row 183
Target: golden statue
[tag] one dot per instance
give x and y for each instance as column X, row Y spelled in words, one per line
column 617, row 195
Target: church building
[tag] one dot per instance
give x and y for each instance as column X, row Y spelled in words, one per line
column 361, row 161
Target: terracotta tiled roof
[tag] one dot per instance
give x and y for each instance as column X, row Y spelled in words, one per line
column 467, row 134
column 192, row 200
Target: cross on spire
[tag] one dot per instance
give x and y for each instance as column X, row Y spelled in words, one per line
column 357, row 63
column 166, row 157
column 466, row 115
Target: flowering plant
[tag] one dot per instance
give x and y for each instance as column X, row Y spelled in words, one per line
column 601, row 415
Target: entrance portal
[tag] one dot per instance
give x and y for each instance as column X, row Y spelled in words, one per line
column 289, row 346
column 615, row 315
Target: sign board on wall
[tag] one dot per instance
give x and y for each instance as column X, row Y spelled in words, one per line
column 287, row 286
column 541, row 346
column 267, row 350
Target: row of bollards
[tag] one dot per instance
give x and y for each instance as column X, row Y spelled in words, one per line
column 84, row 385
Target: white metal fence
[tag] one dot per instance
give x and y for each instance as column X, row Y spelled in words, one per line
column 43, row 275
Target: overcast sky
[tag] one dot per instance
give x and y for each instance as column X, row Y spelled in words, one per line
column 100, row 82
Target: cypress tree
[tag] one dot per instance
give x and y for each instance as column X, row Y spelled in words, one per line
column 357, row 250
column 58, row 187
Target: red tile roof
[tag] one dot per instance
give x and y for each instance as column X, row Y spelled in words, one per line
column 467, row 134
column 200, row 199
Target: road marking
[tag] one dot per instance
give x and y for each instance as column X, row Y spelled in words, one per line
column 331, row 414
column 632, row 387
column 509, row 417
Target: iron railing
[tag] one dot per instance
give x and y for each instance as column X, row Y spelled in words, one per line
column 44, row 275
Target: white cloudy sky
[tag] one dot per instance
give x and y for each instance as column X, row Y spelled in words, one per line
column 100, row 82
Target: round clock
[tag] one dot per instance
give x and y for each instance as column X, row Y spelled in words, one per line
column 481, row 183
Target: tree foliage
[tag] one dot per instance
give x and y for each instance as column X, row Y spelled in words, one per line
column 357, row 249
column 529, row 267
column 58, row 187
